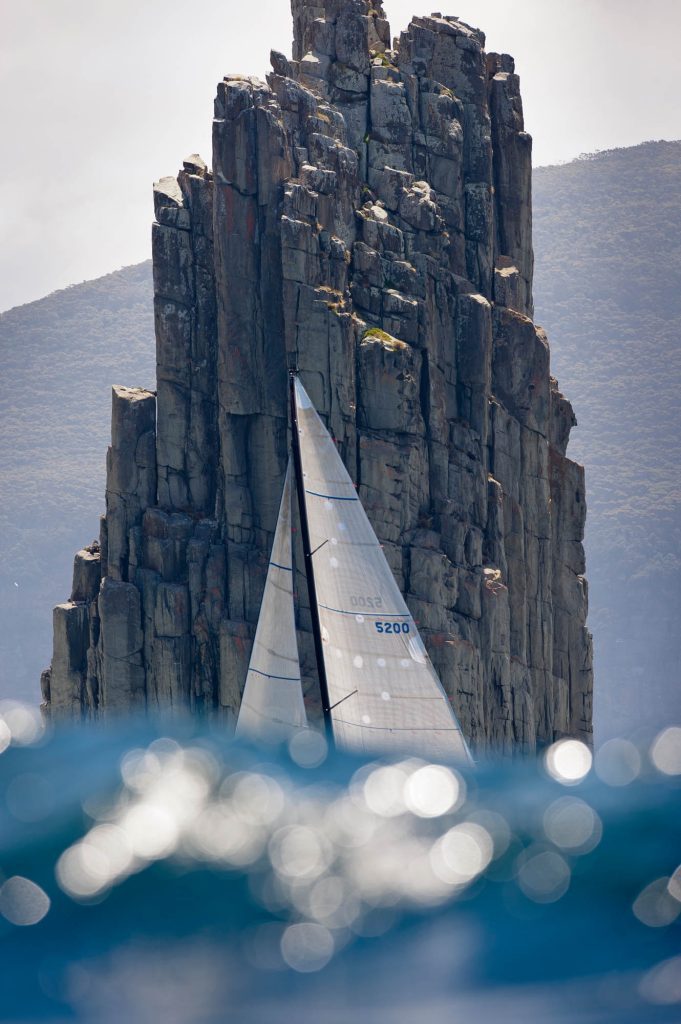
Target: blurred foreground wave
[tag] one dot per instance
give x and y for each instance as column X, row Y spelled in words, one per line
column 164, row 873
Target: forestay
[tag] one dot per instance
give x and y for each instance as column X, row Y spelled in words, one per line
column 383, row 690
column 272, row 705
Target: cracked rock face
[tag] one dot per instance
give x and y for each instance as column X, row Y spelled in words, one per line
column 368, row 209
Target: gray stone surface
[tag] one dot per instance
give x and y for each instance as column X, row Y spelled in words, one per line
column 368, row 209
column 130, row 474
column 87, row 574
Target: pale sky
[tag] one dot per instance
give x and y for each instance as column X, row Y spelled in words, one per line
column 99, row 98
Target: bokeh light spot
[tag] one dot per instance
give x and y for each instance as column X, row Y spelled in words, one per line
column 151, row 829
column 307, row 947
column 568, row 761
column 24, row 722
column 665, row 752
column 5, row 735
column 83, row 871
column 618, row 763
column 462, row 853
column 298, row 851
column 432, row 791
column 22, row 902
column 675, row 885
column 256, row 798
column 308, row 748
column 655, row 906
column 543, row 876
column 384, row 790
column 572, row 825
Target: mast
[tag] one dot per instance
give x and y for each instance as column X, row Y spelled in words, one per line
column 309, row 567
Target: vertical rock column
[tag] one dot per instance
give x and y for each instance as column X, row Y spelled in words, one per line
column 181, row 630
column 97, row 659
column 68, row 685
column 514, row 258
column 186, row 340
column 451, row 53
column 251, row 160
column 572, row 645
column 63, row 684
column 116, row 623
column 130, row 479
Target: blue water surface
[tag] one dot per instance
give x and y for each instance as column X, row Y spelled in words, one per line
column 168, row 874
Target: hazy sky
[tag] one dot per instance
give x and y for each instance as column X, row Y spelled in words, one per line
column 99, row 98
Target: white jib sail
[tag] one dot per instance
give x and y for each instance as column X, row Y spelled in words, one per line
column 386, row 693
column 272, row 707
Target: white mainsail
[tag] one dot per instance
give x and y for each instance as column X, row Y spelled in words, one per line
column 384, row 693
column 272, row 707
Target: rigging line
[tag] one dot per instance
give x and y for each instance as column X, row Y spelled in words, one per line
column 343, row 699
column 318, row 548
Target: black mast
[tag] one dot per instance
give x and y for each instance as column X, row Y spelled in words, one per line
column 309, row 568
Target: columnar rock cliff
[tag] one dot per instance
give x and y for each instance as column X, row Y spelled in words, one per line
column 368, row 210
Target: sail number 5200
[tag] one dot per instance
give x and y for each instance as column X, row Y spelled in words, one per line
column 392, row 627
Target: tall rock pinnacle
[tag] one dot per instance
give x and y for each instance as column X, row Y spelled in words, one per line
column 368, row 209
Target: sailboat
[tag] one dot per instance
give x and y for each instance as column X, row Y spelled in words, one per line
column 380, row 692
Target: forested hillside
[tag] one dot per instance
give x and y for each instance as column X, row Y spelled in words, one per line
column 58, row 360
column 608, row 290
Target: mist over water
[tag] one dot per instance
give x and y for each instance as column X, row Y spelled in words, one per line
column 165, row 873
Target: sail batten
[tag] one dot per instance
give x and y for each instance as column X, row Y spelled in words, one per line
column 383, row 692
column 272, row 706
column 367, row 615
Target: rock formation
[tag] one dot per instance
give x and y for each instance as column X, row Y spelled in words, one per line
column 368, row 209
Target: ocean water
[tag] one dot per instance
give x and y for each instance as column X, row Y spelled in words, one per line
column 166, row 874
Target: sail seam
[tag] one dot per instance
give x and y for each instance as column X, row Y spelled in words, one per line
column 366, row 615
column 391, row 728
column 270, row 717
column 330, row 497
column 287, row 679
